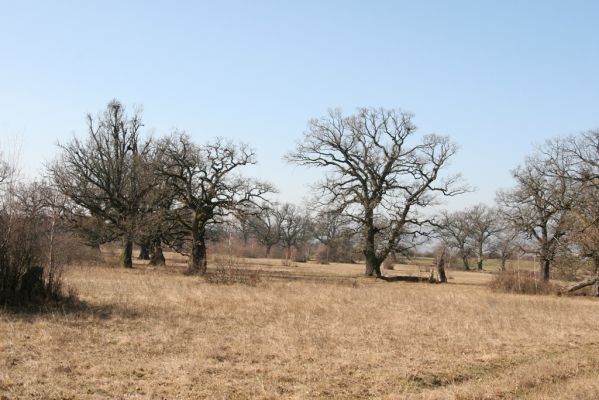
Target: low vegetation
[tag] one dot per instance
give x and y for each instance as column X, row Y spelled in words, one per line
column 301, row 332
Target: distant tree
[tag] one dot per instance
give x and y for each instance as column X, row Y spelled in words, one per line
column 265, row 226
column 505, row 244
column 206, row 186
column 455, row 230
column 107, row 174
column 377, row 175
column 538, row 206
column 484, row 225
column 294, row 226
column 335, row 232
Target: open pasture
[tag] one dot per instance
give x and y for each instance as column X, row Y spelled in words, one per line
column 304, row 331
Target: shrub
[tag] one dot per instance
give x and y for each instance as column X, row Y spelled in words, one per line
column 30, row 253
column 522, row 282
column 232, row 272
column 27, row 275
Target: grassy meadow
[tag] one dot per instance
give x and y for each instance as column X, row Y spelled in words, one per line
column 302, row 331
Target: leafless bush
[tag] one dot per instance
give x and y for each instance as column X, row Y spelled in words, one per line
column 30, row 260
column 27, row 275
column 521, row 282
column 229, row 272
column 568, row 267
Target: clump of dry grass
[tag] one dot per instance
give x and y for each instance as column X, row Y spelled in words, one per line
column 522, row 282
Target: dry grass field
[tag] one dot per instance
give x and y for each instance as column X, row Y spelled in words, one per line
column 304, row 331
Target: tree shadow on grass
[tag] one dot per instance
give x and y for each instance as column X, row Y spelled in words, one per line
column 403, row 278
column 68, row 307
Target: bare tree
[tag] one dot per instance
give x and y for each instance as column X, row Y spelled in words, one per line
column 539, row 203
column 206, row 186
column 483, row 226
column 505, row 243
column 377, row 175
column 455, row 230
column 107, row 173
column 335, row 232
column 294, row 226
column 266, row 226
column 583, row 173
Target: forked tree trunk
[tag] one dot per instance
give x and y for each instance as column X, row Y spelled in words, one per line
column 157, row 257
column 127, row 254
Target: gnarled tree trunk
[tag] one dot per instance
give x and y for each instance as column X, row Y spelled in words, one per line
column 127, row 254
column 545, row 267
column 198, row 262
column 157, row 257
column 373, row 266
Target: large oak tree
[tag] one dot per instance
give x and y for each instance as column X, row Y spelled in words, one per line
column 207, row 187
column 108, row 173
column 378, row 174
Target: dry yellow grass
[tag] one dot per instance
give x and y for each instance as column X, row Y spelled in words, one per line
column 156, row 334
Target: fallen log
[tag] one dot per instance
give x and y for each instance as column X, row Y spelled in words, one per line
column 582, row 284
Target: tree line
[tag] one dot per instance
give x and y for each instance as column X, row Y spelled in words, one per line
column 116, row 184
column 381, row 183
column 551, row 211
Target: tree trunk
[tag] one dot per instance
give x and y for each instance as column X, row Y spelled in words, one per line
column 466, row 263
column 268, row 248
column 373, row 263
column 545, row 265
column 503, row 261
column 144, row 251
column 127, row 254
column 479, row 263
column 198, row 262
column 583, row 284
column 157, row 255
column 441, row 268
column 373, row 266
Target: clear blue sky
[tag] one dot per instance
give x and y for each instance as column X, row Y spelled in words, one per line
column 496, row 76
